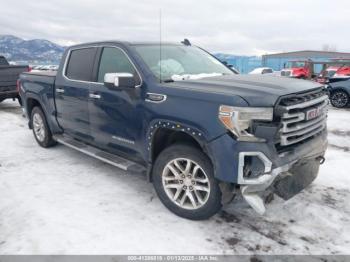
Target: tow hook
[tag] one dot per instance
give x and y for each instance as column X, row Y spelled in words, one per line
column 321, row 159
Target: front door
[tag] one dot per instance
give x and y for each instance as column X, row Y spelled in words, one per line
column 115, row 121
column 72, row 93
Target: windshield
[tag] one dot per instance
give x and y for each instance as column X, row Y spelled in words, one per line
column 330, row 73
column 180, row 62
column 295, row 64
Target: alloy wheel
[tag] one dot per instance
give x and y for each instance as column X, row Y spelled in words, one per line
column 39, row 127
column 185, row 183
column 339, row 99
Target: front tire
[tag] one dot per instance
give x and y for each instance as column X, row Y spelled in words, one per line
column 339, row 99
column 41, row 129
column 183, row 178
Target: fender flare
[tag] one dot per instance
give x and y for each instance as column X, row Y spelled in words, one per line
column 339, row 88
column 34, row 97
column 200, row 136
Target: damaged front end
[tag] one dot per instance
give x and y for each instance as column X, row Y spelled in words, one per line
column 285, row 181
column 300, row 143
column 285, row 158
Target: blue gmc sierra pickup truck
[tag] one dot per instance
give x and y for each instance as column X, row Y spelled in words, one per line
column 201, row 133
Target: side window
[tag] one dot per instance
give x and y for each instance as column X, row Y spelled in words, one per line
column 80, row 64
column 113, row 60
column 267, row 71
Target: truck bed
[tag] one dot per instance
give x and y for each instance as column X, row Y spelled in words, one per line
column 47, row 77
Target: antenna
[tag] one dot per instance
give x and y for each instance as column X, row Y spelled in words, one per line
column 160, row 45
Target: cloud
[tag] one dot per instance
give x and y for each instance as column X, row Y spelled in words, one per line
column 239, row 27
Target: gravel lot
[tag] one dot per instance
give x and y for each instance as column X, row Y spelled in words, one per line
column 59, row 201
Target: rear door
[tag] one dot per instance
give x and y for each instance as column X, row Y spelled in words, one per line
column 72, row 93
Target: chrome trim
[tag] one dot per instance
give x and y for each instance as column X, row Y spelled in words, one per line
column 251, row 193
column 59, row 90
column 258, row 180
column 297, row 127
column 307, row 103
column 92, row 153
column 296, row 124
column 96, row 46
column 95, row 96
column 310, row 132
column 124, row 140
column 156, row 102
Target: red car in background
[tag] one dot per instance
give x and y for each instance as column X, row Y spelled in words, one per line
column 334, row 72
column 343, row 71
column 297, row 69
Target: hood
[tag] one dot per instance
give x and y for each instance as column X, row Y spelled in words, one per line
column 257, row 90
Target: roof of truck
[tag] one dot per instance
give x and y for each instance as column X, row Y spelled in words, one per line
column 125, row 43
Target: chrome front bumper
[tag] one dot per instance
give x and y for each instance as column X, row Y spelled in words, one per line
column 286, row 180
column 251, row 189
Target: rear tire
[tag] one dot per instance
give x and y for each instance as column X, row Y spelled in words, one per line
column 41, row 129
column 19, row 99
column 339, row 99
column 183, row 178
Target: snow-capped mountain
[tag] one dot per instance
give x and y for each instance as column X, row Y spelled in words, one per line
column 31, row 51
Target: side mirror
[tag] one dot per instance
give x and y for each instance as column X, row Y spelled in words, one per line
column 119, row 80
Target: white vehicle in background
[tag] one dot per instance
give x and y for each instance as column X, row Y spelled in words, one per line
column 262, row 71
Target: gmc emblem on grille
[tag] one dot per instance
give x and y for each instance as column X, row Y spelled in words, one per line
column 313, row 113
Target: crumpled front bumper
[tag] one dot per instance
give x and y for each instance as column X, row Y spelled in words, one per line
column 286, row 180
column 284, row 174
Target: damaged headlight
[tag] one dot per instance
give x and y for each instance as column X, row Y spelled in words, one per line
column 239, row 120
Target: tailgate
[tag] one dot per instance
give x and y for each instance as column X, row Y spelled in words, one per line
column 9, row 76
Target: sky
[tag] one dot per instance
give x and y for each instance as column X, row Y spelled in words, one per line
column 245, row 27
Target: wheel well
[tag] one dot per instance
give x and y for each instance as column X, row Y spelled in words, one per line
column 31, row 103
column 163, row 138
column 340, row 89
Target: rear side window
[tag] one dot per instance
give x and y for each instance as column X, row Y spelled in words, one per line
column 267, row 71
column 80, row 64
column 114, row 60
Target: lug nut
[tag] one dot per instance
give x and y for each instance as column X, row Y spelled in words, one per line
column 184, row 187
column 181, row 181
column 183, row 176
column 189, row 176
column 191, row 188
column 193, row 182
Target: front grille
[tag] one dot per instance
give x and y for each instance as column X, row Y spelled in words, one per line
column 285, row 73
column 302, row 116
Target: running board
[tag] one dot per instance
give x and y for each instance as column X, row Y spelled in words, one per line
column 114, row 160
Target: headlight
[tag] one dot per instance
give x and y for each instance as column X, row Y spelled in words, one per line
column 239, row 120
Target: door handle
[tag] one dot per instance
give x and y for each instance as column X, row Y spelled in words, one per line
column 59, row 90
column 94, row 96
column 155, row 98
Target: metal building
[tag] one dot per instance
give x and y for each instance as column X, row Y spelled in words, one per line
column 277, row 61
column 244, row 64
